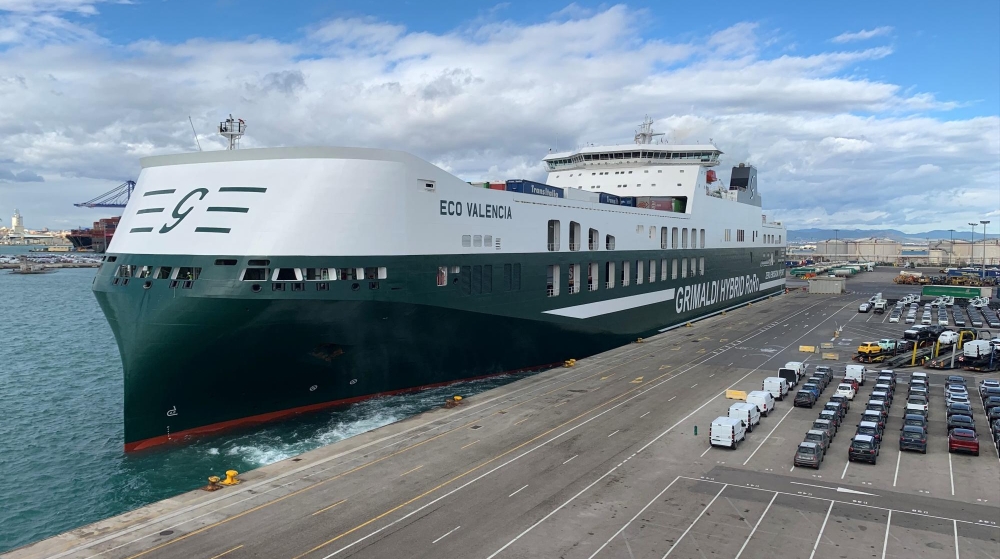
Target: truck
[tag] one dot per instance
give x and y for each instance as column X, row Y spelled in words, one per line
column 880, row 306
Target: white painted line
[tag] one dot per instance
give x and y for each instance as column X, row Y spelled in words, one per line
column 697, row 518
column 590, row 310
column 671, row 398
column 693, row 385
column 570, row 459
column 446, row 535
column 516, row 492
column 711, row 375
column 756, row 525
column 896, row 475
column 768, row 435
column 706, row 451
column 792, row 469
column 845, row 469
column 613, row 433
column 821, row 528
column 622, row 529
column 885, row 542
column 955, row 526
column 951, row 475
column 643, row 415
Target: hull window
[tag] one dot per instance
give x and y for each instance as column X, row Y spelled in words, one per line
column 347, row 274
column 610, row 242
column 163, row 272
column 144, row 272
column 701, row 266
column 283, row 274
column 594, row 239
column 694, row 267
column 477, row 280
column 516, row 281
column 574, row 278
column 663, row 269
column 255, row 274
column 652, row 271
column 638, row 272
column 187, row 274
column 319, row 274
column 442, row 276
column 552, row 280
column 626, row 273
column 488, row 278
column 673, row 269
column 684, row 267
column 466, row 279
column 592, row 276
column 574, row 236
column 609, row 274
column 553, row 235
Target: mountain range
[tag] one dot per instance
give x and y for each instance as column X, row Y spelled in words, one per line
column 809, row 235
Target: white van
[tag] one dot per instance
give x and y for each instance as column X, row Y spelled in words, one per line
column 727, row 431
column 856, row 372
column 747, row 413
column 763, row 400
column 799, row 367
column 777, row 386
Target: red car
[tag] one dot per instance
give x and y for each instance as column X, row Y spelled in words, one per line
column 963, row 440
column 852, row 382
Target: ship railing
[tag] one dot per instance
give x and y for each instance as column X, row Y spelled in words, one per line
column 551, row 291
column 592, row 286
column 574, row 246
column 553, row 246
column 609, row 284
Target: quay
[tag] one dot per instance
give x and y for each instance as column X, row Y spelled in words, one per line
column 606, row 458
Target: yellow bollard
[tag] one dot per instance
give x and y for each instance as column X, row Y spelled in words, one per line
column 213, row 484
column 638, row 341
column 458, row 398
column 231, row 478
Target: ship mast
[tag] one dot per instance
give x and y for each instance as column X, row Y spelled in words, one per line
column 233, row 130
column 645, row 134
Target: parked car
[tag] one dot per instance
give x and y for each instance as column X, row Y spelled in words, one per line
column 846, row 390
column 837, row 407
column 853, row 382
column 988, row 383
column 989, row 391
column 818, row 437
column 960, row 408
column 871, row 429
column 804, row 399
column 873, row 416
column 914, row 420
column 993, row 414
column 863, row 448
column 879, row 406
column 842, row 399
column 955, row 379
column 832, row 416
column 919, row 391
column 825, row 425
column 867, row 348
column 912, row 437
column 819, row 380
column 882, row 395
column 812, row 387
column 864, row 307
column 917, row 404
column 856, row 372
column 808, row 454
column 763, row 399
column 952, row 397
column 991, row 402
column 963, row 440
column 959, row 421
column 825, row 371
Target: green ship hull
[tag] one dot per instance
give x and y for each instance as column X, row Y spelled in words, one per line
column 214, row 352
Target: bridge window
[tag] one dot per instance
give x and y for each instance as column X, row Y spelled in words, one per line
column 574, row 236
column 610, row 242
column 553, row 235
column 702, row 235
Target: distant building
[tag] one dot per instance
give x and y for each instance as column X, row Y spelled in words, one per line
column 17, row 223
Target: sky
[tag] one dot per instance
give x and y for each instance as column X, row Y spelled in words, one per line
column 857, row 114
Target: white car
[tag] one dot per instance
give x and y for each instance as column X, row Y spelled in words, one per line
column 893, row 317
column 952, row 397
column 864, row 307
column 988, row 383
column 845, row 390
column 948, row 338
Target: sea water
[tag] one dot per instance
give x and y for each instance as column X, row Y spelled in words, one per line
column 61, row 433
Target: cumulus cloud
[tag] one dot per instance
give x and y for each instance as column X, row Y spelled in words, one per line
column 23, row 176
column 862, row 35
column 489, row 99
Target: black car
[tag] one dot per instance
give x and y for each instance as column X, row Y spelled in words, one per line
column 955, row 379
column 842, row 400
column 993, row 414
column 959, row 408
column 961, row 422
column 914, row 420
column 871, row 429
column 887, row 379
column 863, row 448
column 881, row 395
column 873, row 416
column 826, row 372
column 837, row 407
column 989, row 391
column 821, row 438
column 913, row 438
column 819, row 380
column 831, row 416
column 879, row 406
column 804, row 399
column 991, row 402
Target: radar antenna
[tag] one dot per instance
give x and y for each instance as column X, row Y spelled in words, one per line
column 233, row 129
column 645, row 134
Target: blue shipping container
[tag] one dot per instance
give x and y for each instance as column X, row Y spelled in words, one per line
column 536, row 188
column 609, row 199
column 627, row 201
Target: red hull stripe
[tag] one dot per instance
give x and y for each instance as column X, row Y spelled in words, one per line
column 275, row 415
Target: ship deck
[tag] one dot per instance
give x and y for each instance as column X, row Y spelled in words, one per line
column 600, row 460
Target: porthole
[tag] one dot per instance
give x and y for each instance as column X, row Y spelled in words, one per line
column 355, row 287
column 147, row 285
column 255, row 288
column 313, row 388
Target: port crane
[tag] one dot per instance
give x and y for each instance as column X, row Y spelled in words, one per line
column 117, row 197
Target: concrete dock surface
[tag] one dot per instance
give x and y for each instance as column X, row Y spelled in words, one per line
column 602, row 460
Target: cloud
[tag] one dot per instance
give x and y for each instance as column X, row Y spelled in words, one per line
column 489, row 99
column 862, row 35
column 22, row 176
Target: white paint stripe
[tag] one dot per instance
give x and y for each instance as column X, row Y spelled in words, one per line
column 516, row 492
column 622, row 529
column 570, row 459
column 896, row 475
column 671, row 398
column 446, row 535
column 643, row 415
column 955, row 526
column 951, row 475
column 821, row 528
column 885, row 542
column 756, row 525
column 613, row 434
column 706, row 452
column 773, row 283
column 768, row 435
column 590, row 310
column 697, row 518
column 845, row 469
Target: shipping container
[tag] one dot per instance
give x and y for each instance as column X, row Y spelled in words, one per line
column 536, row 188
column 609, row 199
column 498, row 186
column 480, row 184
column 661, row 203
column 626, row 201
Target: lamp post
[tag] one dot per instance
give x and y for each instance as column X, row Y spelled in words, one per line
column 972, row 246
column 985, row 222
column 836, row 241
column 951, row 249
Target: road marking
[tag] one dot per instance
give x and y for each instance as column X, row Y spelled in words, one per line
column 756, row 525
column 470, row 444
column 792, row 469
column 845, row 469
column 837, row 489
column 821, row 528
column 693, row 385
column 613, row 434
column 955, row 526
column 700, row 514
column 671, row 398
column 516, row 492
column 227, row 552
column 560, row 403
column 643, row 415
column 622, row 529
column 951, row 475
column 896, row 475
column 885, row 542
column 411, row 471
column 522, row 421
column 706, row 451
column 768, row 435
column 446, row 535
column 329, row 507
column 570, row 459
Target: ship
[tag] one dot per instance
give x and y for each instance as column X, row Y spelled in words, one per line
column 94, row 239
column 248, row 285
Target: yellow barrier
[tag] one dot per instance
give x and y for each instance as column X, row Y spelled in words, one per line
column 831, row 356
column 807, row 348
column 826, row 345
column 736, row 395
